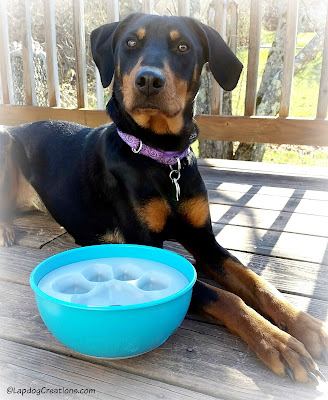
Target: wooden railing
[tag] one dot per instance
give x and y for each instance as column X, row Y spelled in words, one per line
column 248, row 128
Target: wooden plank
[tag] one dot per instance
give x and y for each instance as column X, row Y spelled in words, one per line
column 15, row 115
column 196, row 349
column 258, row 168
column 1, row 93
column 5, row 65
column 61, row 243
column 27, row 384
column 233, row 11
column 113, row 11
column 225, row 188
column 27, row 51
column 147, row 6
column 17, row 262
column 59, row 371
column 289, row 57
column 277, row 244
column 300, row 278
column 220, row 16
column 113, row 16
column 79, row 46
column 36, row 229
column 184, row 8
column 213, row 176
column 323, row 89
column 308, row 207
column 51, row 50
column 310, row 132
column 281, row 221
column 253, row 55
column 26, row 379
column 99, row 90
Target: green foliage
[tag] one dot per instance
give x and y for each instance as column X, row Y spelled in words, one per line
column 283, row 155
column 305, row 89
column 267, row 37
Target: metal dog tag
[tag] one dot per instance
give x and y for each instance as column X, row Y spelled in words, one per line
column 175, row 176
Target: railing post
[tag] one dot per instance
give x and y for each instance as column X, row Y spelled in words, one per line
column 147, row 6
column 113, row 11
column 184, row 8
column 220, row 9
column 51, row 51
column 289, row 57
column 27, row 50
column 233, row 10
column 80, row 61
column 253, row 56
column 113, row 15
column 5, row 65
column 323, row 90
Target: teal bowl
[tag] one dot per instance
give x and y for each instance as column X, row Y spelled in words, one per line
column 113, row 331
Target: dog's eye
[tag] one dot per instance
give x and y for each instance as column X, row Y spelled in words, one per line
column 183, row 47
column 131, row 43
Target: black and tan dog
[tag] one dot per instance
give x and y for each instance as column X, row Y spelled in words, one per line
column 118, row 183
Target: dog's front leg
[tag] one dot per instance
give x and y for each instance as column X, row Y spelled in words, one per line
column 277, row 348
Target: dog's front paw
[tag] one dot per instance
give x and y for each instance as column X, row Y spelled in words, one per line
column 312, row 332
column 7, row 235
column 281, row 352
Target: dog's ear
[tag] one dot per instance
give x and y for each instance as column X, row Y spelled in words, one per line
column 223, row 63
column 102, row 49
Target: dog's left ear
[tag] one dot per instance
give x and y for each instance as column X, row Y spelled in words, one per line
column 103, row 51
column 223, row 63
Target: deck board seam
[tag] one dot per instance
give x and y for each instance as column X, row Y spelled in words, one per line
column 276, row 257
column 270, row 230
column 49, row 241
column 267, row 209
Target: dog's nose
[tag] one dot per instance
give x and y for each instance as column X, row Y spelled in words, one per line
column 150, row 81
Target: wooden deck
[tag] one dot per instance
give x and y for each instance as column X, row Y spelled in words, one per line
column 273, row 218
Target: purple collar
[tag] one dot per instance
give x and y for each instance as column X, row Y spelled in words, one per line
column 163, row 157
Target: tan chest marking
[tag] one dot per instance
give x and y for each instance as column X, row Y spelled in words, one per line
column 113, row 237
column 154, row 214
column 195, row 211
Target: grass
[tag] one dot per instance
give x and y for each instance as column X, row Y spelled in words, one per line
column 300, row 155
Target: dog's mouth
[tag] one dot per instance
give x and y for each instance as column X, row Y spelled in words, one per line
column 152, row 110
column 158, row 119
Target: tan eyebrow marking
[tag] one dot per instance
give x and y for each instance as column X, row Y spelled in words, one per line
column 174, row 35
column 141, row 33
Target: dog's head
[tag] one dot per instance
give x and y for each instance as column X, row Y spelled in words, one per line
column 157, row 62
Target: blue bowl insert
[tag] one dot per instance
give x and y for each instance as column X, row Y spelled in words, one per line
column 122, row 304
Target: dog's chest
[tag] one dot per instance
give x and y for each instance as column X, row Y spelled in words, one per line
column 156, row 212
